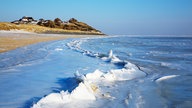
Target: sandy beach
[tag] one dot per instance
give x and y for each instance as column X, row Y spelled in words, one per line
column 10, row 40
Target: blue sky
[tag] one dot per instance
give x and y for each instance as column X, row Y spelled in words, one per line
column 138, row 17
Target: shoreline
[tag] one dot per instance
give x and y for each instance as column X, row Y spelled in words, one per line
column 11, row 40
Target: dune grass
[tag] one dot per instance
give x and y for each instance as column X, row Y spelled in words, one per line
column 40, row 29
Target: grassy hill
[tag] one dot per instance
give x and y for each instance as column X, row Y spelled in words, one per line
column 42, row 29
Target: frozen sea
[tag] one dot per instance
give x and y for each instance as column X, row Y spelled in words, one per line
column 31, row 73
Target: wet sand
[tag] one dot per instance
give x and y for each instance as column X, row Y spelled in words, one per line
column 12, row 40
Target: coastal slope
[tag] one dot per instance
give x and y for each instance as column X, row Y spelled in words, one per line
column 27, row 30
column 42, row 29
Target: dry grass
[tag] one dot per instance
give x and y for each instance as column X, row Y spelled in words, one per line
column 8, row 26
column 41, row 29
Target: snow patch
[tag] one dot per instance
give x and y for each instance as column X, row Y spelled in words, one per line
column 166, row 78
column 58, row 49
column 54, row 100
column 112, row 58
column 91, row 87
column 83, row 92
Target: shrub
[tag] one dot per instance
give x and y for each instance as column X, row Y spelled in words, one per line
column 58, row 22
column 73, row 20
column 50, row 24
column 40, row 23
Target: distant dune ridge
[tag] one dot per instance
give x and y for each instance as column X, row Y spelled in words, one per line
column 27, row 30
column 71, row 26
